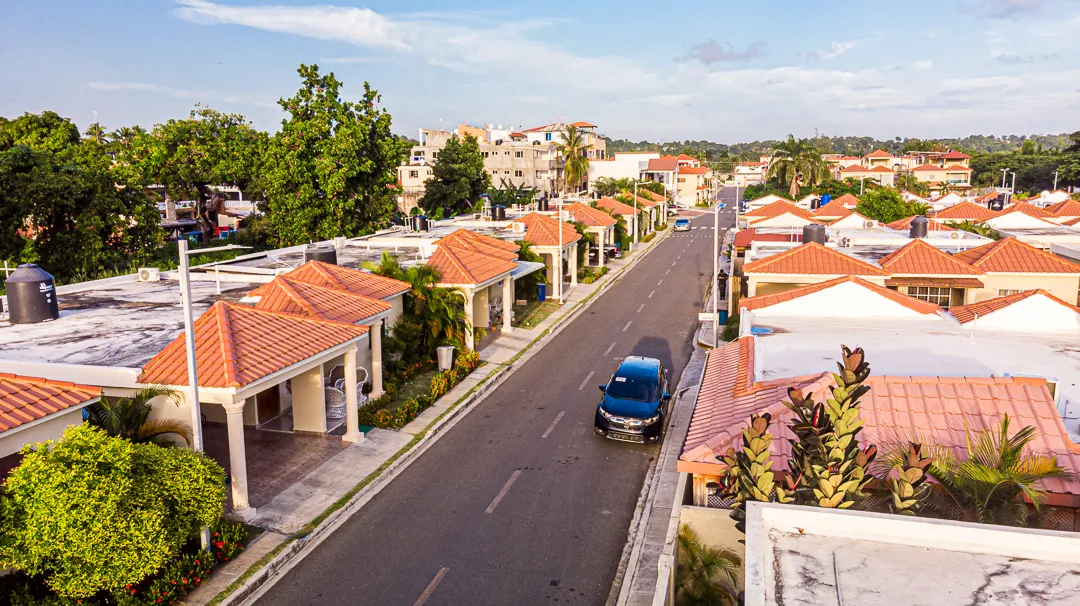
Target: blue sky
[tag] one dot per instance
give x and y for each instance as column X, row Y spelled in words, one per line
column 720, row 70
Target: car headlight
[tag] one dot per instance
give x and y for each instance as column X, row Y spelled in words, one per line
column 652, row 419
column 606, row 414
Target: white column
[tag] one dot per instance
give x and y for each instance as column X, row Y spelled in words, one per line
column 375, row 334
column 573, row 264
column 470, row 337
column 508, row 303
column 352, row 418
column 234, row 414
column 602, row 239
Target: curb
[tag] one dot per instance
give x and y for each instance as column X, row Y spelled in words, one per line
column 295, row 548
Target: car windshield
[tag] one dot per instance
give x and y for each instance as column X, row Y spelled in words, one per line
column 682, row 221
column 636, row 388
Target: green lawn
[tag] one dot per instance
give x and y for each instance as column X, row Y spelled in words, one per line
column 534, row 313
column 417, row 386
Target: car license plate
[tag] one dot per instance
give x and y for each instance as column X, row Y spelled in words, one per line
column 624, row 437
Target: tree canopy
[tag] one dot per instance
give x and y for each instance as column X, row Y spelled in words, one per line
column 457, row 178
column 883, row 204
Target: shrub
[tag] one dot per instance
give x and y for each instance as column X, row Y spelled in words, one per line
column 227, row 539
column 173, row 582
column 91, row 512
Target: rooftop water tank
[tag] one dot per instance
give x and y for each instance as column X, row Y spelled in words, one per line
column 813, row 233
column 31, row 295
column 919, row 226
column 421, row 223
column 500, row 213
column 320, row 252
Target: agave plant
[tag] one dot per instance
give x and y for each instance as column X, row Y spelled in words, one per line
column 129, row 418
column 706, row 575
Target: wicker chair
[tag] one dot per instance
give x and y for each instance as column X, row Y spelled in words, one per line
column 361, row 397
column 335, row 403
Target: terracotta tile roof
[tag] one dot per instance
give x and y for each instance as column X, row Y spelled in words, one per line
column 642, row 201
column 27, row 399
column 813, row 259
column 460, row 266
column 666, row 164
column 651, row 195
column 694, row 170
column 1071, row 222
column 517, row 134
column 745, row 237
column 957, row 168
column 682, row 157
column 850, row 158
column 881, row 169
column 285, row 295
column 832, row 209
column 911, row 303
column 1065, row 208
column 920, row 258
column 541, row 128
column 905, row 225
column 879, row 153
column 583, row 125
column 353, row 280
column 855, row 168
column 236, row 345
column 1027, row 209
column 593, row 217
column 470, row 240
column 928, row 168
column 964, row 211
column 937, row 410
column 776, row 209
column 543, row 230
column 1010, row 255
column 955, row 155
column 967, row 313
column 847, row 200
column 616, row 207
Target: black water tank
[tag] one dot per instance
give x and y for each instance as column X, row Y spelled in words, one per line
column 919, row 226
column 320, row 252
column 542, row 205
column 500, row 213
column 494, row 213
column 421, row 223
column 813, row 233
column 31, row 295
column 999, row 202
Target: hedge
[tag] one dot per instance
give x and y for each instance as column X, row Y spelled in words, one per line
column 375, row 413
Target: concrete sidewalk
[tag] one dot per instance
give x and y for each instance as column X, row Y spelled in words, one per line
column 356, row 473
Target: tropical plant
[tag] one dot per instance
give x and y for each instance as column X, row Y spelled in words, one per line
column 95, row 133
column 588, row 239
column 884, row 204
column 705, row 575
column 797, row 160
column 976, row 228
column 458, row 179
column 572, row 146
column 749, row 475
column 606, row 186
column 908, row 486
column 525, row 286
column 918, row 208
column 911, row 183
column 439, row 310
column 128, row 418
column 508, row 194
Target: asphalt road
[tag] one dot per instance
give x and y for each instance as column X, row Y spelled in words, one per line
column 520, row 503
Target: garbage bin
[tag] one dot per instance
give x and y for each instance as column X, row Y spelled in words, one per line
column 541, row 292
column 723, row 316
column 446, row 357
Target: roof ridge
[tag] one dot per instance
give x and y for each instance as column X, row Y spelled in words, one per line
column 295, row 295
column 228, row 351
column 322, row 268
column 452, row 255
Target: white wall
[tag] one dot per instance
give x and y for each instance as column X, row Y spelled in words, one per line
column 845, row 300
column 1017, row 220
column 1036, row 313
column 623, row 166
column 50, row 428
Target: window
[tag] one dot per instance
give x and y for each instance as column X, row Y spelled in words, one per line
column 518, row 173
column 939, row 296
column 434, row 154
column 519, row 154
column 682, row 179
column 495, row 172
column 484, row 154
column 414, row 174
column 506, row 153
column 506, row 172
column 419, row 153
column 537, row 174
column 1004, row 292
column 536, row 143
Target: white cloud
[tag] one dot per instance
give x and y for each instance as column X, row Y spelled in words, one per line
column 922, row 65
column 835, row 50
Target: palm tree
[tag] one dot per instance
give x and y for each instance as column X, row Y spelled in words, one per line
column 918, row 208
column 705, row 576
column 572, row 145
column 96, row 133
column 439, row 310
column 996, row 478
column 126, row 135
column 128, row 418
column 793, row 161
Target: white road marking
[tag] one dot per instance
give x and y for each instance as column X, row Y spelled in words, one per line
column 673, row 264
column 502, row 493
column 660, row 282
column 651, row 294
column 641, row 308
column 552, row 426
column 583, row 384
column 666, row 272
column 431, row 586
column 627, row 325
column 610, row 347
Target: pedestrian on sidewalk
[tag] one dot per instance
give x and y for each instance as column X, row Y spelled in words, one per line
column 721, row 284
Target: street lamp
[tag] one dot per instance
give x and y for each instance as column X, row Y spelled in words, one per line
column 1012, row 190
column 1004, row 172
column 559, row 263
column 636, row 217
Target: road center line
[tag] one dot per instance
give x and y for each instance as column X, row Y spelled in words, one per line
column 667, row 272
column 660, row 282
column 627, row 325
column 552, row 426
column 431, row 586
column 651, row 294
column 641, row 307
column 673, row 264
column 502, row 493
column 610, row 347
column 583, row 384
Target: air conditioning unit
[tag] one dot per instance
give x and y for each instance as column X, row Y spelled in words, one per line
column 149, row 274
column 869, row 224
column 517, row 227
column 847, row 242
column 956, row 235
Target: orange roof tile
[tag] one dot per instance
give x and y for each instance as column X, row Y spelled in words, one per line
column 543, row 230
column 762, row 301
column 955, row 155
column 663, row 164
column 879, row 153
column 855, row 168
column 1010, row 255
column 616, row 207
column 848, row 200
column 1027, row 209
column 470, row 240
column 905, row 225
column 881, row 169
column 957, row 167
column 927, row 168
column 583, row 125
column 965, row 211
column 694, row 170
column 353, row 280
column 236, row 345
column 919, row 258
column 935, row 410
column 461, row 266
column 592, row 217
column 651, row 195
column 831, row 209
column 27, row 399
column 289, row 296
column 776, row 209
column 967, row 313
column 1065, row 208
column 1071, row 222
column 813, row 259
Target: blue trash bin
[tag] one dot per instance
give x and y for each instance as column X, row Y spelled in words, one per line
column 723, row 316
column 541, row 292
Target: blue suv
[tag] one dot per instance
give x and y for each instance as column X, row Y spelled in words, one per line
column 636, row 402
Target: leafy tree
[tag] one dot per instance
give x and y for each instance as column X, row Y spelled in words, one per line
column 458, row 178
column 606, row 186
column 93, row 512
column 96, row 133
column 572, row 146
column 884, row 204
column 128, row 418
column 910, row 183
column 332, row 169
column 191, row 156
column 508, row 194
column 975, row 228
column 47, row 131
column 654, row 187
column 797, row 161
column 440, row 311
column 525, row 287
column 706, row 575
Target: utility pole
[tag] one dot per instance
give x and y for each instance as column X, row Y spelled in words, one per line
column 1013, row 190
column 1055, row 180
column 1004, row 172
column 559, row 264
column 636, row 217
column 715, row 273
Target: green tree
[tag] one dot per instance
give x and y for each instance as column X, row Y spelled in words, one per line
column 332, row 169
column 572, row 146
column 457, row 178
column 706, row 575
column 440, row 311
column 128, row 418
column 908, row 182
column 525, row 287
column 884, row 204
column 797, row 161
column 92, row 512
column 508, row 194
column 96, row 133
column 47, row 131
column 191, row 156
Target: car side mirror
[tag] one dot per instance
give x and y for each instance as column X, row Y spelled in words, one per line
column 667, row 396
column 603, row 387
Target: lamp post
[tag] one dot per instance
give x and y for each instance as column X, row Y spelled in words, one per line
column 636, row 217
column 1004, row 173
column 715, row 273
column 1012, row 190
column 559, row 263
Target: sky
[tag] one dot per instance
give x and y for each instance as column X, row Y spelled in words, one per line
column 718, row 70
